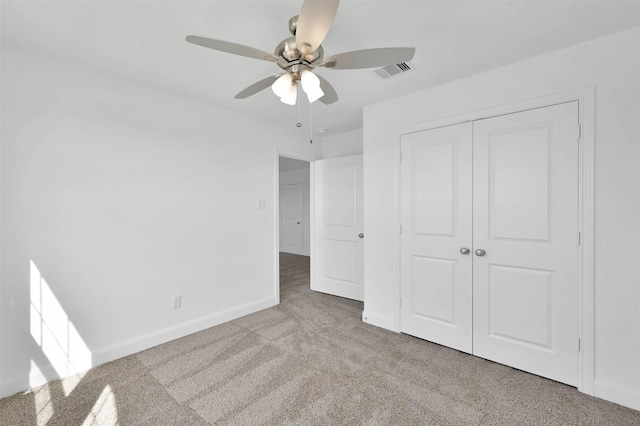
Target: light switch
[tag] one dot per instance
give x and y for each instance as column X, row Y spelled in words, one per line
column 262, row 204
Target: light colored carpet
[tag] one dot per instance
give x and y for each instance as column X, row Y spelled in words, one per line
column 308, row 361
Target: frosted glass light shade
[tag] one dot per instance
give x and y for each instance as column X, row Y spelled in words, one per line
column 282, row 85
column 290, row 97
column 309, row 81
column 314, row 95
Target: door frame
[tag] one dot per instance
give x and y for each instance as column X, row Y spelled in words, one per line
column 586, row 207
column 277, row 153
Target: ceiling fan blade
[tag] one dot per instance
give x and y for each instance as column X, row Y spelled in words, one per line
column 234, row 48
column 257, row 87
column 369, row 58
column 314, row 22
column 330, row 95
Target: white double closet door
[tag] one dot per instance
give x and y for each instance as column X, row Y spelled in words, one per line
column 489, row 242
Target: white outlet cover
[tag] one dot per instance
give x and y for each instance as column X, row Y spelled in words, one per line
column 176, row 302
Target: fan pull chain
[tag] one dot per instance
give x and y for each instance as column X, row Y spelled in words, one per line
column 310, row 123
column 299, row 123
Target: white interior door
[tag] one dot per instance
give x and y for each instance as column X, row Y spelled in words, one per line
column 525, row 211
column 291, row 218
column 337, row 260
column 436, row 213
column 506, row 188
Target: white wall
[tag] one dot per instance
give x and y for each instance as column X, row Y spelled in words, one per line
column 301, row 176
column 123, row 195
column 611, row 64
column 342, row 144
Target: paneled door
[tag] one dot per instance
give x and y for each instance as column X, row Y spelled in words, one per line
column 525, row 237
column 436, row 236
column 291, row 218
column 337, row 260
column 489, row 239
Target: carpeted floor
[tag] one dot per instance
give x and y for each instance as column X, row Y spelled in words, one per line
column 308, row 361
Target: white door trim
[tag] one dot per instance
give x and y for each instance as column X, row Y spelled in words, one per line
column 277, row 153
column 586, row 102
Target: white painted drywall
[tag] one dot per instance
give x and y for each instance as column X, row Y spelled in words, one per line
column 611, row 64
column 285, row 164
column 342, row 144
column 300, row 176
column 123, row 195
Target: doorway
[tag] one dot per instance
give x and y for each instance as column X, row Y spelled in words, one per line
column 294, row 212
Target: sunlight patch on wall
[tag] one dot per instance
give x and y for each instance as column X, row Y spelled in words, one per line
column 104, row 411
column 55, row 333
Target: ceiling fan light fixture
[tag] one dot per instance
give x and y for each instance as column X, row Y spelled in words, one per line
column 309, row 81
column 290, row 97
column 282, row 85
column 297, row 56
column 315, row 94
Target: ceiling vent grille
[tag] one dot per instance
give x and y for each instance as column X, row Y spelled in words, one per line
column 391, row 70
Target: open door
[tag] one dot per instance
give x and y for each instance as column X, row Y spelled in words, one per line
column 337, row 263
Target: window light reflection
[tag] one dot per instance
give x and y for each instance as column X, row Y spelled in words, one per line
column 55, row 333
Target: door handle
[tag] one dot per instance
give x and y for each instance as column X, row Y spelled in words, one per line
column 480, row 252
column 465, row 250
column 361, row 235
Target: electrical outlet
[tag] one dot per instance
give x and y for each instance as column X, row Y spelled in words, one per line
column 176, row 302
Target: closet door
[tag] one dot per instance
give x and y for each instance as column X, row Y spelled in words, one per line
column 525, row 238
column 436, row 234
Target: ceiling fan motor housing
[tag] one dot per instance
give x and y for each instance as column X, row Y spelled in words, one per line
column 294, row 60
column 293, row 25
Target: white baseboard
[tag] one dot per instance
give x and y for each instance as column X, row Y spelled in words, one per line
column 36, row 377
column 43, row 375
column 602, row 389
column 615, row 393
column 382, row 322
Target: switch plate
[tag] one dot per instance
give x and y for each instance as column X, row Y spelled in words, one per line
column 262, row 204
column 176, row 302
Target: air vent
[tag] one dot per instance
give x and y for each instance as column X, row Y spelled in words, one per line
column 391, row 70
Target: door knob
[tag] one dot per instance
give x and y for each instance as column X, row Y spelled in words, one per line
column 464, row 250
column 480, row 252
column 298, row 223
column 361, row 235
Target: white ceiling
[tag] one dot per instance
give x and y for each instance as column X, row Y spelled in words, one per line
column 144, row 40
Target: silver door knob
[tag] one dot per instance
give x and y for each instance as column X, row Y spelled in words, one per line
column 464, row 250
column 480, row 252
column 361, row 235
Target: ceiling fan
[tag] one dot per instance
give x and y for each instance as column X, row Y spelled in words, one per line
column 300, row 54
